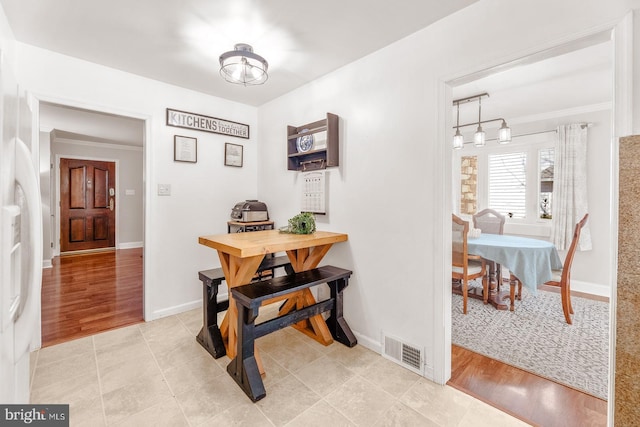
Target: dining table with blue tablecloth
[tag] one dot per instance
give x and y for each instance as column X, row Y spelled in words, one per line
column 531, row 261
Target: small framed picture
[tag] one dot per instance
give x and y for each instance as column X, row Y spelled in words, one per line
column 185, row 149
column 233, row 155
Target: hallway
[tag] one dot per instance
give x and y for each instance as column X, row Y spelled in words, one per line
column 89, row 293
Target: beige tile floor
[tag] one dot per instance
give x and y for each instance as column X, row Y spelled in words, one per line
column 156, row 374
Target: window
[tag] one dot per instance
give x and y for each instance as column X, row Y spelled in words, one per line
column 545, row 199
column 514, row 179
column 508, row 184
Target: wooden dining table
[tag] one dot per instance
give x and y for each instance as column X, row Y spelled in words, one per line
column 240, row 255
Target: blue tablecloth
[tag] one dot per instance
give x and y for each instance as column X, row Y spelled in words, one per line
column 530, row 260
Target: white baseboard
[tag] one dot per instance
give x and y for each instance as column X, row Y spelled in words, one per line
column 130, row 245
column 46, row 263
column 176, row 309
column 365, row 341
column 590, row 288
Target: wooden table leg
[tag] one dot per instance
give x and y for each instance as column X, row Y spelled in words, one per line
column 237, row 271
column 496, row 297
column 315, row 327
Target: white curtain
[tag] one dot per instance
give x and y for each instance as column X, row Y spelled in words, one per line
column 570, row 187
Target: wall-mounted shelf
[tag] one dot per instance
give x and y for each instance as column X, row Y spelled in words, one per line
column 318, row 157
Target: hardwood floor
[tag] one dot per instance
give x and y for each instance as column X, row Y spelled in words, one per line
column 90, row 293
column 526, row 396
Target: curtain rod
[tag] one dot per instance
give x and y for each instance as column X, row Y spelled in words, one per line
column 582, row 125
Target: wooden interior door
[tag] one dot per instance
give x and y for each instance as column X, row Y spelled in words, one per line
column 87, row 204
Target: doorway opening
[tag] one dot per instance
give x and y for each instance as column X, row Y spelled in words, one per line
column 93, row 200
column 545, row 68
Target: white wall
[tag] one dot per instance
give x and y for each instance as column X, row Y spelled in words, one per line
column 45, row 192
column 391, row 192
column 636, row 67
column 202, row 194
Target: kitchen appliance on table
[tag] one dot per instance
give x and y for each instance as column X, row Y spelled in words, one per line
column 250, row 215
column 250, row 211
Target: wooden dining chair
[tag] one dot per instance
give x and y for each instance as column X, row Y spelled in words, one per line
column 562, row 278
column 464, row 269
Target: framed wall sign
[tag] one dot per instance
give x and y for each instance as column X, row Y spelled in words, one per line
column 233, row 155
column 186, row 120
column 185, row 149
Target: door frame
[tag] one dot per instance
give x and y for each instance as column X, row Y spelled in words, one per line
column 622, row 124
column 147, row 169
column 56, row 181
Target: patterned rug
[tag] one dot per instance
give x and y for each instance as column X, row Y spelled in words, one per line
column 536, row 338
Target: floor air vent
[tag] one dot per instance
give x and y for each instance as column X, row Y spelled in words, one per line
column 404, row 354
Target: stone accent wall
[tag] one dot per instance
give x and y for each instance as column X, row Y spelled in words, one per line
column 469, row 185
column 627, row 367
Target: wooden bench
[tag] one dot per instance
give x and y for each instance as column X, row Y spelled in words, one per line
column 209, row 336
column 244, row 368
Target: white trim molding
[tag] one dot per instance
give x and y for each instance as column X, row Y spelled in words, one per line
column 130, row 245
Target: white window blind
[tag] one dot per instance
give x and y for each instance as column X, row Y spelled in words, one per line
column 507, row 184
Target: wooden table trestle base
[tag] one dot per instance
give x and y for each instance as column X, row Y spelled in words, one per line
column 240, row 256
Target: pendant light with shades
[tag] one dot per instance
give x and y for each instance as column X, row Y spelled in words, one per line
column 458, row 139
column 479, row 137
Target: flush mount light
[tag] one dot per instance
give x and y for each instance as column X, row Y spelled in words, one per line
column 242, row 66
column 479, row 137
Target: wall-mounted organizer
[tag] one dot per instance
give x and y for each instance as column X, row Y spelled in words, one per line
column 314, row 145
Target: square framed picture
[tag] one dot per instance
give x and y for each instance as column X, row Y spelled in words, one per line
column 185, row 149
column 233, row 155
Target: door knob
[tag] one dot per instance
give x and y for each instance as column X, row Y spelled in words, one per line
column 111, row 203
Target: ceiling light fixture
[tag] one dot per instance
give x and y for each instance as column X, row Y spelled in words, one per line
column 504, row 133
column 242, row 66
column 479, row 137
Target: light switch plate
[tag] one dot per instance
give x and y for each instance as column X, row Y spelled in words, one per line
column 164, row 189
column 129, row 192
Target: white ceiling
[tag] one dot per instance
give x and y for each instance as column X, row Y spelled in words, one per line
column 91, row 125
column 575, row 76
column 179, row 43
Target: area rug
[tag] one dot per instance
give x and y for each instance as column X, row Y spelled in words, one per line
column 536, row 338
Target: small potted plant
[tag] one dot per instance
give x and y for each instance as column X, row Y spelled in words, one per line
column 303, row 223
